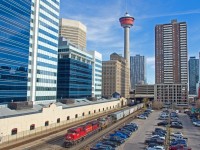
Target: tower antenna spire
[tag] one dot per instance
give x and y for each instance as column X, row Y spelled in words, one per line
column 126, row 5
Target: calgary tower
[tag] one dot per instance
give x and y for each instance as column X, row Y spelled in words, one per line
column 126, row 22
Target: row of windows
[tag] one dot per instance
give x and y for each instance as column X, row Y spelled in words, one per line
column 98, row 70
column 98, row 80
column 46, row 80
column 48, row 27
column 39, row 88
column 75, row 89
column 47, row 57
column 10, row 77
column 41, row 98
column 46, row 65
column 10, row 87
column 49, row 73
column 47, row 42
column 47, row 49
column 49, row 19
column 49, row 12
column 50, row 5
column 48, row 34
column 98, row 75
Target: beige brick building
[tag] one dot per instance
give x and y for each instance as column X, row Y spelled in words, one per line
column 115, row 76
column 74, row 31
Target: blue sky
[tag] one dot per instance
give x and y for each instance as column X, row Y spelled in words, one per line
column 105, row 35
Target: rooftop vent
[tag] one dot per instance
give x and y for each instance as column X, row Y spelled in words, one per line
column 20, row 105
column 67, row 101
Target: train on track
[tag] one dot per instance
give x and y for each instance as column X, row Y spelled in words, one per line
column 79, row 133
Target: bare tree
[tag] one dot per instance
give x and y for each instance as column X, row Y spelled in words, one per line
column 157, row 105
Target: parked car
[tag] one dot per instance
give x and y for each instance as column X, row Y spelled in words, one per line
column 179, row 142
column 177, row 134
column 158, row 136
column 179, row 147
column 115, row 139
column 111, row 143
column 176, row 125
column 123, row 136
column 155, row 140
column 158, row 147
column 163, row 123
column 142, row 117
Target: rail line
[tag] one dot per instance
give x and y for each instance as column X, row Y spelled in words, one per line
column 55, row 139
column 87, row 143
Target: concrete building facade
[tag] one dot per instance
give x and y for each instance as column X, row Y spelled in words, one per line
column 17, row 124
column 137, row 70
column 115, row 74
column 74, row 31
column 171, row 65
column 193, row 75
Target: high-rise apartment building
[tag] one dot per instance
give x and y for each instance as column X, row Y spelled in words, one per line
column 43, row 52
column 171, row 75
column 29, row 50
column 114, row 76
column 14, row 50
column 137, row 70
column 193, row 75
column 74, row 31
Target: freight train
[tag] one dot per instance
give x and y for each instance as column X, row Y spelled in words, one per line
column 79, row 133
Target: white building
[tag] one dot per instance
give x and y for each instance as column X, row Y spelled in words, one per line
column 43, row 52
column 96, row 74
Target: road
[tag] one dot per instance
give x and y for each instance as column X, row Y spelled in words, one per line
column 136, row 141
column 190, row 131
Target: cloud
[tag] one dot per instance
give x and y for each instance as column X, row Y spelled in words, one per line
column 150, row 61
column 197, row 11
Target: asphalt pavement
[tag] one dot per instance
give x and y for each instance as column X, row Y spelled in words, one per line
column 136, row 141
column 189, row 131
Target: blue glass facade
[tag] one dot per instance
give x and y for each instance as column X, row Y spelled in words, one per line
column 74, row 79
column 14, row 49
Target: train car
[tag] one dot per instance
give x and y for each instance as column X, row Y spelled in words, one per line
column 126, row 112
column 75, row 135
column 105, row 121
column 133, row 109
column 117, row 115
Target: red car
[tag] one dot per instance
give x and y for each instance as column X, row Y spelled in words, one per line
column 179, row 147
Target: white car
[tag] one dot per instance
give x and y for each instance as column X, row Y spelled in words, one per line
column 177, row 134
column 141, row 117
column 196, row 123
column 156, row 148
column 158, row 136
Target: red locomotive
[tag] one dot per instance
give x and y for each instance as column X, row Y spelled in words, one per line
column 77, row 134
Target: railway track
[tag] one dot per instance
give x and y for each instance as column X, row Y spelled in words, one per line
column 54, row 139
column 90, row 141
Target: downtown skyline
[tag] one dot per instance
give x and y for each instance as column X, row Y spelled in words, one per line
column 105, row 34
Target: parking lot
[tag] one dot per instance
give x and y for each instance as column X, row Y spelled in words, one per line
column 189, row 131
column 146, row 126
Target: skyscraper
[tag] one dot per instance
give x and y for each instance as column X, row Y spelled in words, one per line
column 43, row 52
column 193, row 75
column 29, row 50
column 137, row 70
column 14, row 50
column 171, row 73
column 74, row 31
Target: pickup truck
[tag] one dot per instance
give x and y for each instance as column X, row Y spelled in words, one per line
column 155, row 140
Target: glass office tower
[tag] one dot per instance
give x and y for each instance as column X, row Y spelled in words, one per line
column 74, row 72
column 14, row 49
column 29, row 50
